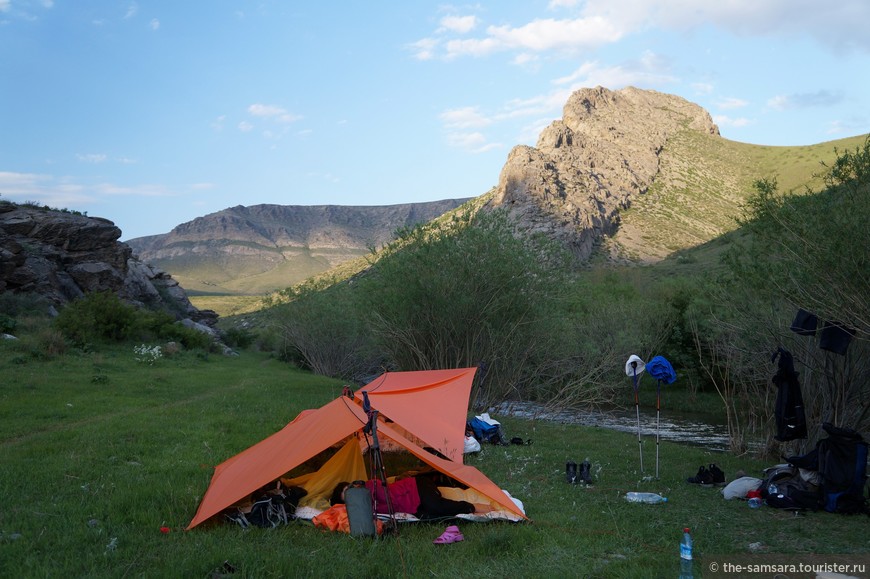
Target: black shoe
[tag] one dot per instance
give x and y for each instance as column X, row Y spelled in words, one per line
column 703, row 478
column 586, row 472
column 571, row 471
column 718, row 475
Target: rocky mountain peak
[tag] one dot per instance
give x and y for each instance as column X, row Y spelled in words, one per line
column 591, row 163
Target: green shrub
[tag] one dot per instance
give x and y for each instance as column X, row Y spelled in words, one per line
column 97, row 317
column 239, row 338
column 7, row 324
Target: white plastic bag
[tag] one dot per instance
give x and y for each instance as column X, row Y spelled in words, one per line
column 471, row 445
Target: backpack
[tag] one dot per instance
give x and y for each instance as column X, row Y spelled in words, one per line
column 484, row 431
column 785, row 488
column 842, row 461
column 841, row 464
column 273, row 507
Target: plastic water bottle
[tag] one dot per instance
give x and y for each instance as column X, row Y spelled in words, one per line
column 686, row 555
column 648, row 498
column 754, row 503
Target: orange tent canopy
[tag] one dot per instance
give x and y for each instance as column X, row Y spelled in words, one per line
column 432, row 405
column 315, row 431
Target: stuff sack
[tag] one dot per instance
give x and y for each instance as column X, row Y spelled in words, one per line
column 484, row 431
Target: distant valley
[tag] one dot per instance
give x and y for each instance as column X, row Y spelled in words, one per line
column 260, row 248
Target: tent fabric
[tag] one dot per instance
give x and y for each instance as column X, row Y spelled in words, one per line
column 312, row 432
column 272, row 457
column 439, row 395
column 345, row 465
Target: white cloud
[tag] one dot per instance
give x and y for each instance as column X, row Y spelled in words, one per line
column 841, row 25
column 45, row 189
column 554, row 4
column 598, row 23
column 646, row 72
column 726, row 121
column 822, row 98
column 731, row 103
column 524, row 59
column 548, row 34
column 5, row 5
column 703, row 87
column 272, row 112
column 91, row 157
column 424, row 49
column 472, row 142
column 62, row 192
column 465, row 117
column 460, row 24
column 132, row 9
column 540, row 35
column 245, row 126
column 155, row 24
column 779, row 102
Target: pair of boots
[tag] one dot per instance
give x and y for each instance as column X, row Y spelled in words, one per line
column 584, row 474
column 707, row 477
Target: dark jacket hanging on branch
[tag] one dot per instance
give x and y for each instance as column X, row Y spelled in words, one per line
column 791, row 422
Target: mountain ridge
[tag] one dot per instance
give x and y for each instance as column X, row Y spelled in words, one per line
column 280, row 244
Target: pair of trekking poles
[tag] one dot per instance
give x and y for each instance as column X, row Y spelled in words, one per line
column 660, row 369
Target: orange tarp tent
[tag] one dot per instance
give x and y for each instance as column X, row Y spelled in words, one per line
column 406, row 402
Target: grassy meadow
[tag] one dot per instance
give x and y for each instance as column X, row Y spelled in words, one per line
column 98, row 451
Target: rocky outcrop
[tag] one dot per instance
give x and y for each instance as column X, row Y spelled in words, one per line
column 589, row 165
column 61, row 256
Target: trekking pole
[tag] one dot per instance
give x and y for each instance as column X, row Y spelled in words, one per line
column 658, row 414
column 637, row 411
column 660, row 369
column 634, row 367
column 377, row 461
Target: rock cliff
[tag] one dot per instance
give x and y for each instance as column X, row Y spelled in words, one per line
column 593, row 162
column 61, row 256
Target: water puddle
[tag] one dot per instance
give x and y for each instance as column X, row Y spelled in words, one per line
column 682, row 428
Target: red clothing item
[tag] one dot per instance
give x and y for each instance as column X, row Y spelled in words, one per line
column 403, row 495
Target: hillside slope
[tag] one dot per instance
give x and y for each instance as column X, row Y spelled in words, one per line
column 256, row 249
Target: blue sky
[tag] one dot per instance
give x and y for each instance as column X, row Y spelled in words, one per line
column 152, row 113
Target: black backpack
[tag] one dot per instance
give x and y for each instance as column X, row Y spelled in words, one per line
column 785, row 488
column 841, row 461
column 843, row 469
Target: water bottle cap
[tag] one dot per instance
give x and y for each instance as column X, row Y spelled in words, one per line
column 686, row 529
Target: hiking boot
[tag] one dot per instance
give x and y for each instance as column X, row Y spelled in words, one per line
column 571, row 471
column 718, row 475
column 586, row 472
column 703, row 478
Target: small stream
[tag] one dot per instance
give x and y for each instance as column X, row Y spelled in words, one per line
column 676, row 427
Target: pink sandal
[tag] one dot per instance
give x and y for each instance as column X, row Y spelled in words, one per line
column 451, row 535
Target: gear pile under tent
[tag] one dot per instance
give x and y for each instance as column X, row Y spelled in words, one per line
column 420, row 414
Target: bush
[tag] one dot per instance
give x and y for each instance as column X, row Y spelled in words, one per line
column 238, row 338
column 7, row 324
column 97, row 317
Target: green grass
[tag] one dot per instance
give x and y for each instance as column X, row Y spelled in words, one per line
column 97, row 452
